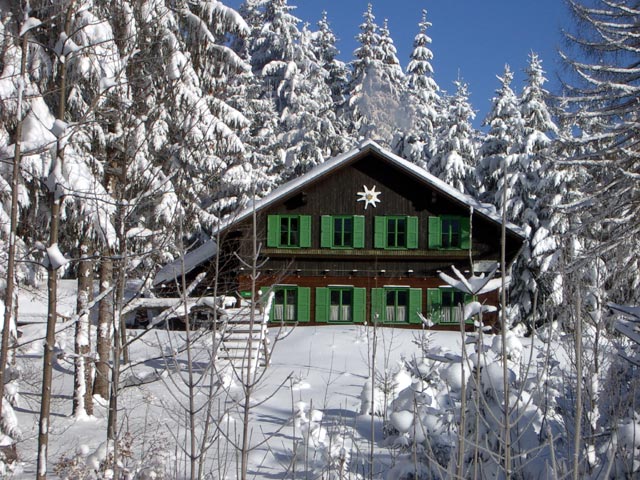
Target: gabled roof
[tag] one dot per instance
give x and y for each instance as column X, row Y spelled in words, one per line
column 286, row 190
column 366, row 147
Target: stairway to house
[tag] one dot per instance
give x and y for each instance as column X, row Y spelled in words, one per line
column 244, row 343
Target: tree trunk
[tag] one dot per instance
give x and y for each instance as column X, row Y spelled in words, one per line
column 52, row 280
column 105, row 317
column 9, row 290
column 83, row 371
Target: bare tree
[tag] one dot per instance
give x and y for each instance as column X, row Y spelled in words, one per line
column 11, row 261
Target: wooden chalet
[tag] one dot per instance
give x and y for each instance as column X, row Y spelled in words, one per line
column 358, row 239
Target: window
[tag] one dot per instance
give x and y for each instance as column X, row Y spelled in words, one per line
column 290, row 304
column 449, row 232
column 444, row 305
column 288, row 231
column 396, row 232
column 396, row 304
column 342, row 231
column 340, row 304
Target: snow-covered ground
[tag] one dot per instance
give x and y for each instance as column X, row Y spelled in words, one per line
column 309, row 413
column 312, row 368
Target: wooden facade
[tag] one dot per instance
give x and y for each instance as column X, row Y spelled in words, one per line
column 333, row 257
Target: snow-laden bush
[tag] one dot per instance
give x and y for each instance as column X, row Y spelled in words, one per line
column 325, row 450
column 422, row 415
column 97, row 464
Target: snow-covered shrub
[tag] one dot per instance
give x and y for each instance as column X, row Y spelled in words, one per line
column 372, row 399
column 422, row 416
column 98, row 464
column 325, row 450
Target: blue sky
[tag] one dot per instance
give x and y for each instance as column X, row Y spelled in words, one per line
column 471, row 38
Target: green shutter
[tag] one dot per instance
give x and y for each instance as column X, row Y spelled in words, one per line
column 359, row 304
column 304, row 304
column 435, row 232
column 434, row 302
column 465, row 237
column 326, row 231
column 322, row 305
column 273, row 230
column 305, row 230
column 380, row 233
column 415, row 305
column 358, row 231
column 377, row 305
column 412, row 232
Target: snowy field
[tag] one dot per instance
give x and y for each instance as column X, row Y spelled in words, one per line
column 312, row 368
column 309, row 415
column 326, row 368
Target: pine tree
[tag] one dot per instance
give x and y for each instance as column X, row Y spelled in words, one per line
column 307, row 123
column 376, row 84
column 505, row 134
column 455, row 152
column 421, row 101
column 604, row 92
column 536, row 195
column 325, row 50
column 272, row 49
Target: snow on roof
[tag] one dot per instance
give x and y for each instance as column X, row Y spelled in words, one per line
column 335, row 163
column 186, row 263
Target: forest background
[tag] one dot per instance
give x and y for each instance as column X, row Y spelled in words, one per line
column 129, row 130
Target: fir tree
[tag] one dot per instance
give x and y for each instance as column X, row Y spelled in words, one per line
column 455, row 151
column 326, row 52
column 604, row 93
column 307, row 124
column 421, row 101
column 376, row 84
column 505, row 134
column 536, row 195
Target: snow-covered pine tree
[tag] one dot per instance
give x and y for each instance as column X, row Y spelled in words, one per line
column 421, row 102
column 272, row 48
column 325, row 50
column 324, row 46
column 307, row 122
column 505, row 133
column 454, row 156
column 538, row 191
column 605, row 91
column 376, row 85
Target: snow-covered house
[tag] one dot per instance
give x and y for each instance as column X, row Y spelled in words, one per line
column 360, row 238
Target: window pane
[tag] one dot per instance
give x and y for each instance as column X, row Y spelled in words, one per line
column 446, row 233
column 284, row 231
column 458, row 298
column 403, row 297
column 294, row 228
column 335, row 297
column 290, row 313
column 346, row 297
column 291, row 297
column 391, row 298
column 447, row 298
column 278, row 297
